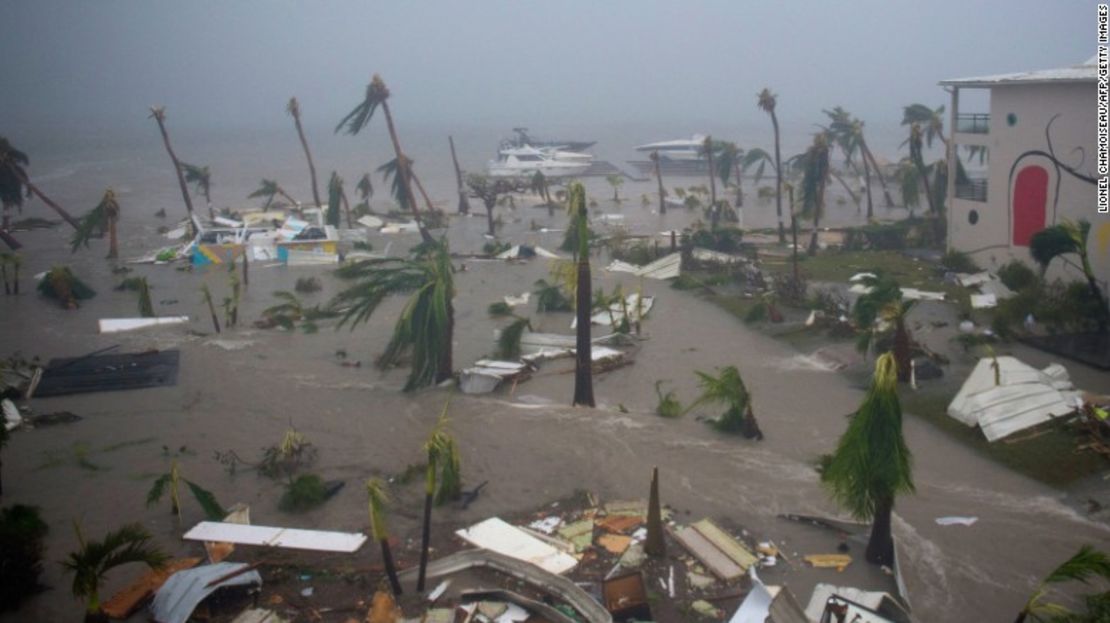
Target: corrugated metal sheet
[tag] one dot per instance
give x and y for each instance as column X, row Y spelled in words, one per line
column 288, row 538
column 1023, row 397
column 180, row 595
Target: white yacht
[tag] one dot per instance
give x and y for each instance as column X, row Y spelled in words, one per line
column 526, row 160
column 688, row 149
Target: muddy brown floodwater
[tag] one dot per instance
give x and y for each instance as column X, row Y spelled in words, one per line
column 240, row 390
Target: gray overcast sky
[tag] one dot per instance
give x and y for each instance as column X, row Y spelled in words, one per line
column 221, row 63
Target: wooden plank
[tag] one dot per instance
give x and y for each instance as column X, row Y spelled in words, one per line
column 729, row 546
column 708, row 554
column 124, row 603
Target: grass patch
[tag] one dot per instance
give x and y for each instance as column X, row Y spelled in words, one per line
column 1049, row 457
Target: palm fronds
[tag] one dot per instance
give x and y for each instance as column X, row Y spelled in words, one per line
column 424, row 325
column 669, row 406
column 550, row 297
column 95, row 223
column 378, row 502
column 727, row 389
column 335, row 197
column 872, row 464
column 365, row 187
column 356, row 120
column 92, row 561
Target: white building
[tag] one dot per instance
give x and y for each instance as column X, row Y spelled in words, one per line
column 1040, row 137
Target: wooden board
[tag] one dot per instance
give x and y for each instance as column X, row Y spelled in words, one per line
column 124, row 603
column 708, row 554
column 729, row 546
column 287, row 538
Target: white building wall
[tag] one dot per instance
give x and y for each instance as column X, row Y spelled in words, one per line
column 1020, row 114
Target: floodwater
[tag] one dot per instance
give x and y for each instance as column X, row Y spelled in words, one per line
column 240, row 390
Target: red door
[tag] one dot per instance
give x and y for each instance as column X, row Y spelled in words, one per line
column 1030, row 203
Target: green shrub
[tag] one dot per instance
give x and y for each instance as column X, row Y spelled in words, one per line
column 22, row 532
column 304, row 493
column 884, row 290
column 1017, row 276
column 723, row 239
column 959, row 262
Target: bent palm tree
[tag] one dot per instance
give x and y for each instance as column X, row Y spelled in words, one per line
column 201, row 179
column 871, row 464
column 1086, row 564
column 659, row 180
column 728, row 160
column 270, row 189
column 464, row 202
column 932, row 120
column 441, row 482
column 158, row 113
column 583, row 359
column 335, row 201
column 377, row 95
column 815, row 178
column 1069, row 238
column 767, row 102
column 94, row 559
column 916, row 157
column 294, row 109
column 100, row 219
column 616, row 181
column 14, row 184
column 379, row 499
column 426, row 324
column 728, row 389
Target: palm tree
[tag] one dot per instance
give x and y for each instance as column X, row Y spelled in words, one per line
column 615, row 181
column 728, row 159
column 909, row 182
column 377, row 94
column 335, row 199
column 933, row 120
column 379, row 499
column 872, row 464
column 655, row 544
column 767, row 102
column 365, row 189
column 426, row 324
column 100, row 219
column 94, row 559
column 15, row 184
column 294, row 109
column 916, row 149
column 728, row 389
column 583, row 359
column 659, row 179
column 814, row 164
column 171, row 481
column 1087, row 563
column 442, row 456
column 714, row 209
column 1069, row 238
column 895, row 313
column 270, row 189
column 201, row 179
column 848, row 134
column 158, row 113
column 464, row 202
column 389, row 171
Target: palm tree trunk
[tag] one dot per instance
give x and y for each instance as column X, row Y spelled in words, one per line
column 446, row 363
column 346, row 207
column 1088, row 272
column 287, row 197
column 390, row 568
column 583, row 359
column 739, row 188
column 423, row 193
column 57, row 208
column 308, row 156
column 878, row 172
column 817, row 210
column 489, row 215
column 464, row 203
column 659, row 178
column 880, row 547
column 176, row 169
column 208, row 200
column 9, row 240
column 778, row 177
column 924, row 176
column 246, row 265
column 425, row 539
column 655, row 545
column 405, row 173
column 901, row 350
column 867, row 181
column 113, row 241
column 714, row 209
column 854, row 196
column 212, row 310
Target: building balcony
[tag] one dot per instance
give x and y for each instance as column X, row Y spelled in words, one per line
column 972, row 190
column 977, row 123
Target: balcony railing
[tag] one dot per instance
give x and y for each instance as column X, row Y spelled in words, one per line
column 977, row 123
column 972, row 190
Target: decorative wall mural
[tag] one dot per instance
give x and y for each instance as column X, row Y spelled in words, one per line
column 1028, row 189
